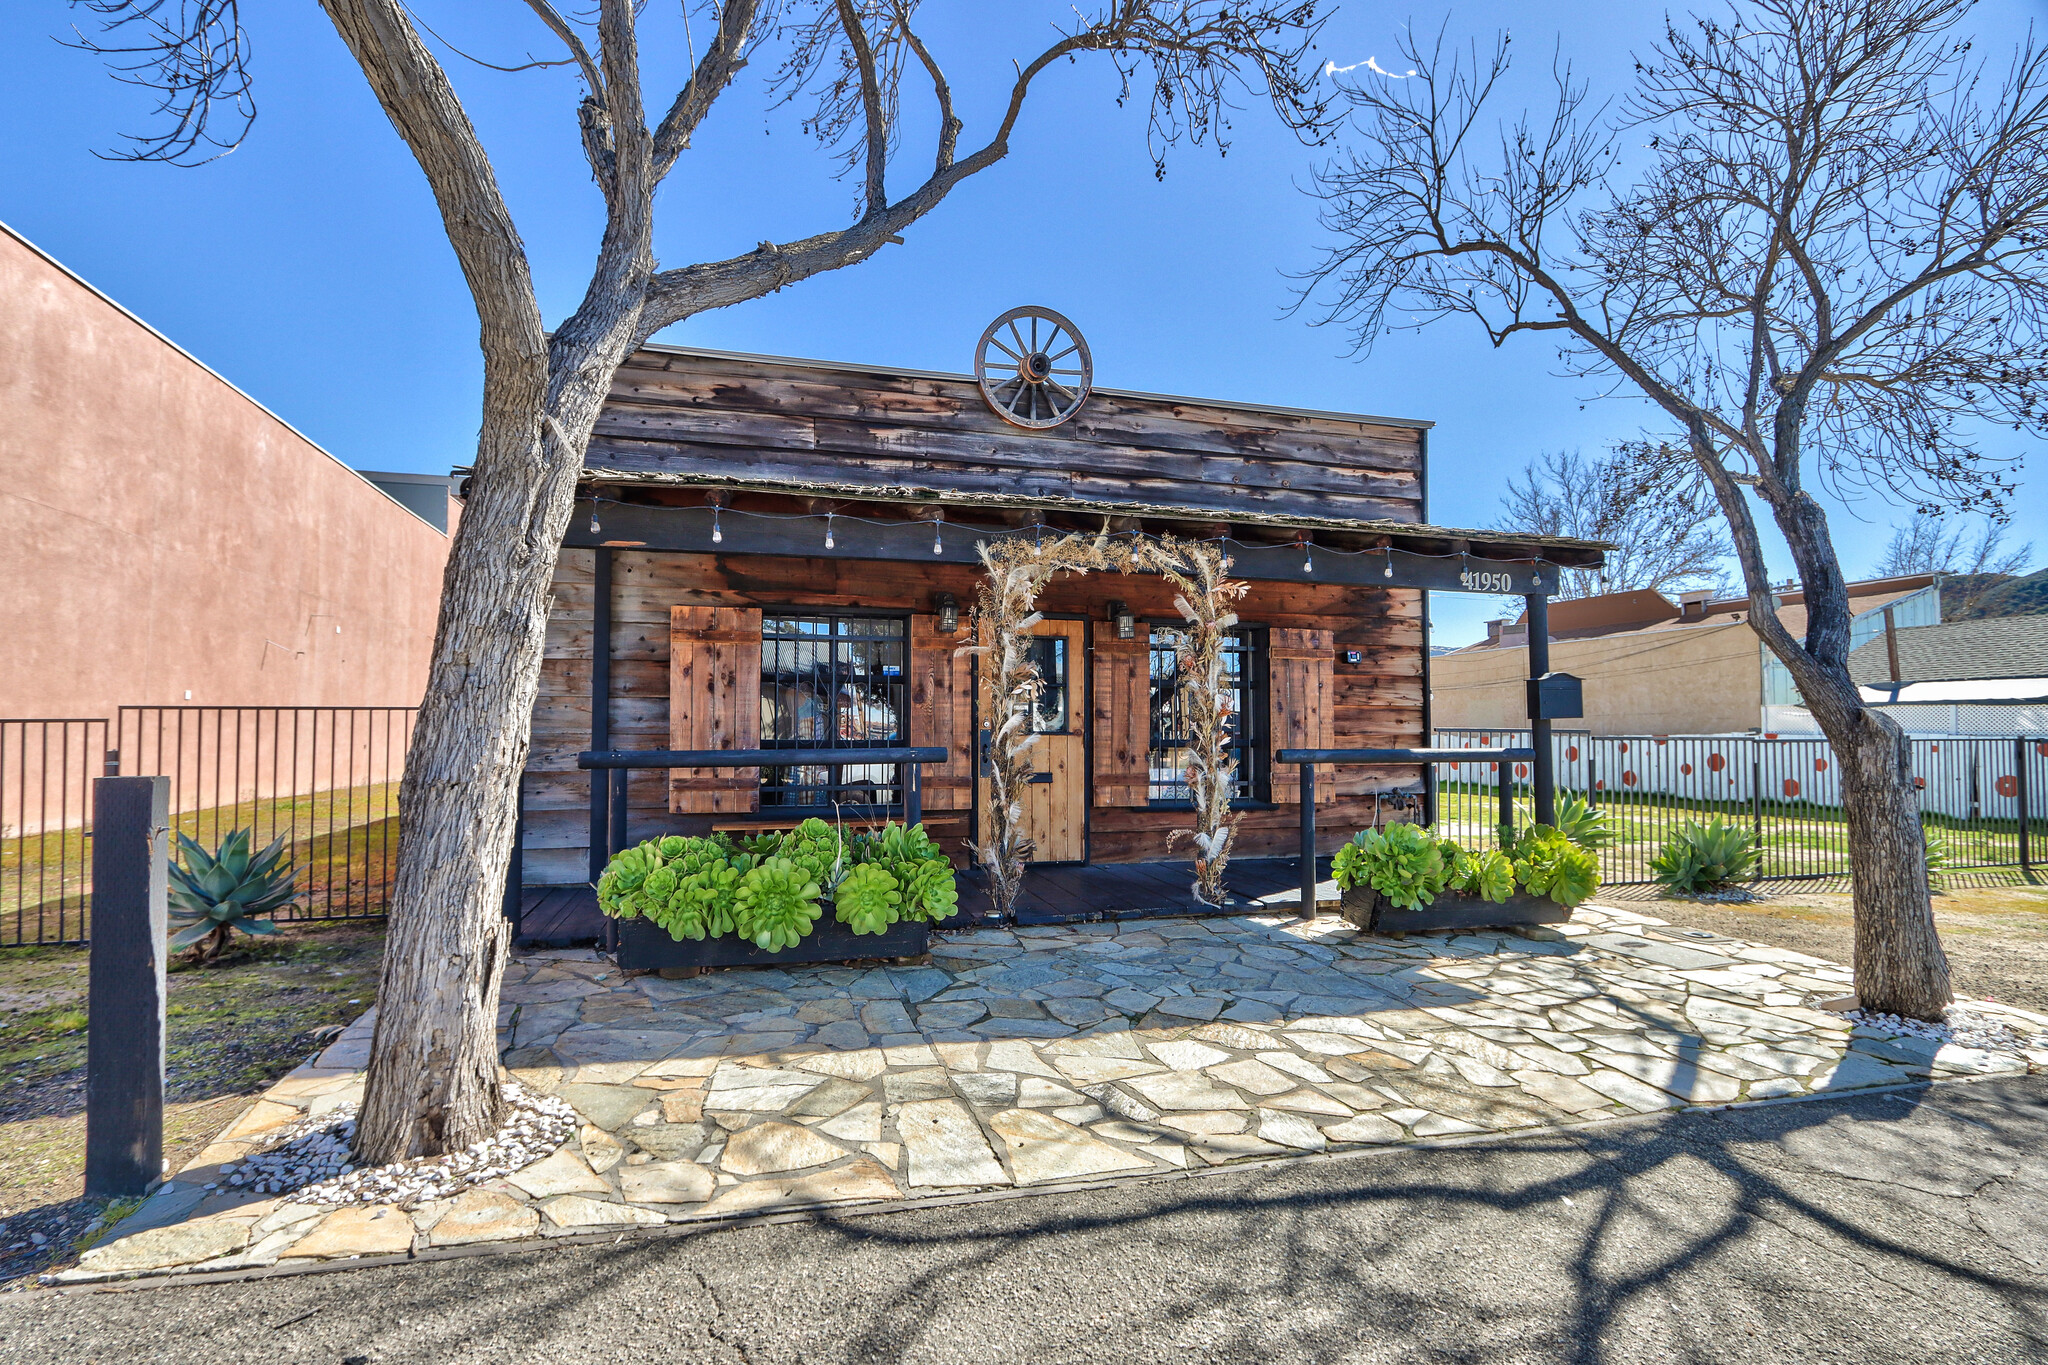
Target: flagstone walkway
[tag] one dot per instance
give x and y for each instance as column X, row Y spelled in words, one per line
column 1045, row 1056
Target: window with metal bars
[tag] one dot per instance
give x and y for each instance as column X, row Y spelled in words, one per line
column 832, row 682
column 1244, row 667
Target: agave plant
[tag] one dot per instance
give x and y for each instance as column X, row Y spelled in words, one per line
column 1705, row 857
column 216, row 894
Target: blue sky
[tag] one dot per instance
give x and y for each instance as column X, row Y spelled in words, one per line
column 309, row 267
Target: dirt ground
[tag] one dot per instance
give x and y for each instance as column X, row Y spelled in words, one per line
column 1996, row 936
column 234, row 1028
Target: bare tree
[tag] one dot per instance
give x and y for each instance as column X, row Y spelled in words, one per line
column 1811, row 236
column 1662, row 521
column 433, row 1080
column 1923, row 546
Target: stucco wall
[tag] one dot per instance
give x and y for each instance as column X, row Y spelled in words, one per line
column 165, row 534
column 1679, row 681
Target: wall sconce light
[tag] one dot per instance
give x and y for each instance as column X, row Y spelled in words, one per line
column 949, row 613
column 1126, row 624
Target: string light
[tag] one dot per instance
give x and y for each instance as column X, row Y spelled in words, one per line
column 594, row 527
column 717, row 535
column 1388, row 572
column 938, row 528
column 1308, row 555
column 828, row 530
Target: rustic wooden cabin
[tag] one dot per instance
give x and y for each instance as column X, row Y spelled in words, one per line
column 782, row 553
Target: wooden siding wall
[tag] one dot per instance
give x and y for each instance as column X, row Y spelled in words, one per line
column 1378, row 701
column 726, row 417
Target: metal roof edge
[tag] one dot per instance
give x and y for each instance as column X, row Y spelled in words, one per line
column 231, row 385
column 905, row 372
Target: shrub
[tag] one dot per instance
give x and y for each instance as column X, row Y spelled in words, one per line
column 216, row 894
column 1936, row 841
column 1402, row 863
column 1705, row 857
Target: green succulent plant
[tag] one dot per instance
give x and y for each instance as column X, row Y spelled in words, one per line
column 815, row 847
column 1936, row 840
column 1550, row 864
column 920, row 868
column 776, row 905
column 623, row 876
column 1487, row 873
column 869, row 899
column 1582, row 822
column 1402, row 863
column 1704, row 857
column 217, row 894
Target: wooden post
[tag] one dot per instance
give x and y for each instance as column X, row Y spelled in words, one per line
column 124, row 1068
column 1543, row 778
column 600, row 706
column 1891, row 643
column 1308, row 840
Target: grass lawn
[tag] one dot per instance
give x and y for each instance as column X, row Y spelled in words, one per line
column 234, row 1028
column 343, row 845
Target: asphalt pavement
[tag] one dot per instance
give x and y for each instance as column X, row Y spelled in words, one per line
column 1903, row 1226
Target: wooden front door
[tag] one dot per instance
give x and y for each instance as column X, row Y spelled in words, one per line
column 1056, row 802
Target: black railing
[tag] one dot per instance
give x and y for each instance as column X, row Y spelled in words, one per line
column 1390, row 758
column 619, row 762
column 1977, row 795
column 46, row 773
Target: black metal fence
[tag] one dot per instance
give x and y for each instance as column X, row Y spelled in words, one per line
column 323, row 778
column 1981, row 799
column 46, row 773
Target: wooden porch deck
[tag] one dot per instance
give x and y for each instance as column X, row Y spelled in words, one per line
column 563, row 915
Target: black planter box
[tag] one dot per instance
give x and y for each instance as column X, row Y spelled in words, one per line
column 1450, row 910
column 646, row 946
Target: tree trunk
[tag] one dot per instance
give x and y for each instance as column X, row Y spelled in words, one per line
column 1900, row 966
column 433, row 1079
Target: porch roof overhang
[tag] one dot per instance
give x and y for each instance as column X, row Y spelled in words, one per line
column 679, row 511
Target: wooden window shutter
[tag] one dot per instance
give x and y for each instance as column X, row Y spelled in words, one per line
column 1123, row 718
column 942, row 712
column 714, row 702
column 1302, row 669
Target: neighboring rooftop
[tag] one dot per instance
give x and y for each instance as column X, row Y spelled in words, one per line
column 1959, row 651
column 426, row 496
column 1644, row 609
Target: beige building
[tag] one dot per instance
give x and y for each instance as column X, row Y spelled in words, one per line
column 1652, row 666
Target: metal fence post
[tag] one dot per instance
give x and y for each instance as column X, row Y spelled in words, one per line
column 1308, row 840
column 1756, row 799
column 2019, row 768
column 913, row 794
column 1503, row 773
column 124, row 1068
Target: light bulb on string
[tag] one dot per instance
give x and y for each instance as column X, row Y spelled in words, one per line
column 1388, row 572
column 938, row 530
column 594, row 527
column 1308, row 555
column 828, row 530
column 717, row 535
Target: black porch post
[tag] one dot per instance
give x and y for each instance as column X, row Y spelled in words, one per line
column 1308, row 840
column 1543, row 777
column 600, row 707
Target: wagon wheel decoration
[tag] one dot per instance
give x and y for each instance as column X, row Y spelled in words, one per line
column 1033, row 367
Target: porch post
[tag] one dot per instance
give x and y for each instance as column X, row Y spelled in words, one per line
column 1308, row 840
column 600, row 708
column 1543, row 779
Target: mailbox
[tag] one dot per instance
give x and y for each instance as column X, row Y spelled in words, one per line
column 1556, row 696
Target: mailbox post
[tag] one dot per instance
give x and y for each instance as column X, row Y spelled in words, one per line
column 1552, row 696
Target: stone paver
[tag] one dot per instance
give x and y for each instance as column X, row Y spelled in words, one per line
column 1038, row 1055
